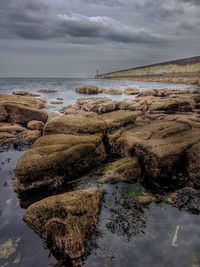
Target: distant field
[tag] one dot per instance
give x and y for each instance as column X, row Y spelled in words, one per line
column 188, row 68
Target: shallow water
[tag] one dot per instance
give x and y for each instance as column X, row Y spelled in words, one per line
column 126, row 237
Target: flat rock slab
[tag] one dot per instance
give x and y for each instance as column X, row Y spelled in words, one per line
column 66, row 221
column 75, row 124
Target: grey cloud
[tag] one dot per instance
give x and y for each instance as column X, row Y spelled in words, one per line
column 40, row 22
column 110, row 3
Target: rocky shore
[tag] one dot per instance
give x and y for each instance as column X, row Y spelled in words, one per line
column 152, row 139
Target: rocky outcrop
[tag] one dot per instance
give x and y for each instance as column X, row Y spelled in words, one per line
column 161, row 145
column 122, row 170
column 57, row 159
column 161, row 101
column 66, row 221
column 131, row 91
column 88, row 90
column 97, row 105
column 17, row 113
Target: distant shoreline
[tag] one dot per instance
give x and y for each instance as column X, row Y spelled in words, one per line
column 185, row 70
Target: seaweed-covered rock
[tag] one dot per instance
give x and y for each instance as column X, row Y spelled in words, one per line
column 66, row 221
column 56, row 159
column 122, row 170
column 87, row 89
column 187, row 199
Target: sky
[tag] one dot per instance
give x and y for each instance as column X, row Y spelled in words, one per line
column 72, row 38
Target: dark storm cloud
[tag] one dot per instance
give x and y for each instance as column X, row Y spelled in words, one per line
column 38, row 21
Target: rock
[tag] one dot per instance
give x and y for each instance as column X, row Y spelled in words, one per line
column 87, row 89
column 27, row 101
column 97, row 105
column 112, row 91
column 57, row 159
column 3, row 113
column 24, row 93
column 66, row 221
column 11, row 128
column 59, row 98
column 47, row 91
column 23, row 114
column 75, row 124
column 193, row 166
column 56, row 102
column 6, row 137
column 187, row 199
column 131, row 91
column 117, row 119
column 30, row 136
column 161, row 146
column 35, row 125
column 122, row 170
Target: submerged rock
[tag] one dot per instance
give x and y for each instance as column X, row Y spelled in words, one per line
column 47, row 91
column 56, row 159
column 66, row 221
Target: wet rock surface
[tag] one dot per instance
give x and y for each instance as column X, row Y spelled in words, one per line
column 64, row 221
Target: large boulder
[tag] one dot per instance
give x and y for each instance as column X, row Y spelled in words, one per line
column 87, row 89
column 56, row 159
column 75, row 124
column 23, row 114
column 161, row 146
column 66, row 221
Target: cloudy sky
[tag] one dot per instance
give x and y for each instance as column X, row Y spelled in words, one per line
column 72, row 38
